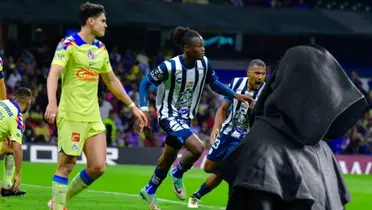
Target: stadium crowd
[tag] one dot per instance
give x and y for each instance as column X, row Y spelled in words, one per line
column 361, row 5
column 30, row 69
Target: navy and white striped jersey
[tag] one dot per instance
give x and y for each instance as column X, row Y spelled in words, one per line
column 237, row 123
column 179, row 88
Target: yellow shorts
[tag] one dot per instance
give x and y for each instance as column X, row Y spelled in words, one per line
column 73, row 134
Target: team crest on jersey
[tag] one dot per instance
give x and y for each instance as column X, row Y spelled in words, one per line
column 91, row 56
column 241, row 122
column 184, row 102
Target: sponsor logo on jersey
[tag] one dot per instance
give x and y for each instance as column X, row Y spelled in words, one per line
column 86, row 74
column 75, row 137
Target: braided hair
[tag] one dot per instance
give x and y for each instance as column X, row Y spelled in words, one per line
column 182, row 36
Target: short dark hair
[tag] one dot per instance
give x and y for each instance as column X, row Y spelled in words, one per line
column 22, row 94
column 182, row 36
column 257, row 62
column 90, row 10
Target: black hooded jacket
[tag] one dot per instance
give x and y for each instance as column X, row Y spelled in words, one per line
column 308, row 99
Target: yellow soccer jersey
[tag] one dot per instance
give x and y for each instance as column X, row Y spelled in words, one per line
column 82, row 64
column 11, row 121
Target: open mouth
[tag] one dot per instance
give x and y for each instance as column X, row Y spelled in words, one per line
column 258, row 83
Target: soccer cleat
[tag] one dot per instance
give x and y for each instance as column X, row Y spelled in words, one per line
column 178, row 186
column 9, row 192
column 50, row 205
column 150, row 198
column 193, row 203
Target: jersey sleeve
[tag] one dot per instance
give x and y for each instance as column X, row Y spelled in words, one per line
column 228, row 98
column 158, row 75
column 107, row 65
column 211, row 75
column 62, row 53
column 16, row 130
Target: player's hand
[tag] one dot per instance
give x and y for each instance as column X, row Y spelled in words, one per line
column 244, row 98
column 16, row 183
column 51, row 113
column 142, row 120
column 7, row 141
column 215, row 132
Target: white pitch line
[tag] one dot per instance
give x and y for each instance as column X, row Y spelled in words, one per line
column 129, row 195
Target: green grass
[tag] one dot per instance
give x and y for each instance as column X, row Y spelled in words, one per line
column 119, row 187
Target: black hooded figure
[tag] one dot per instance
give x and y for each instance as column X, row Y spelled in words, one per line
column 284, row 162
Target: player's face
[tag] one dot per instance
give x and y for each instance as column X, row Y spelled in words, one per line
column 196, row 48
column 257, row 75
column 99, row 25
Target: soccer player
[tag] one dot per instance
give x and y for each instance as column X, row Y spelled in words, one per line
column 80, row 59
column 180, row 82
column 234, row 127
column 11, row 134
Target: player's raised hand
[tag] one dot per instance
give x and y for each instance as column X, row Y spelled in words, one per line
column 244, row 98
column 215, row 132
column 51, row 113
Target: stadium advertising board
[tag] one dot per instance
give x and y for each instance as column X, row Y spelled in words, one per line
column 349, row 164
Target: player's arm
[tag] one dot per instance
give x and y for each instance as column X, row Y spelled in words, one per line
column 219, row 119
column 61, row 57
column 16, row 136
column 221, row 115
column 115, row 86
column 155, row 77
column 52, row 82
column 221, row 89
column 3, row 91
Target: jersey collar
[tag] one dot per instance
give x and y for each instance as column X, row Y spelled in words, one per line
column 16, row 105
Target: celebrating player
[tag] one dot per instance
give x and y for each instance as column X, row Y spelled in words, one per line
column 80, row 59
column 180, row 82
column 234, row 127
column 11, row 134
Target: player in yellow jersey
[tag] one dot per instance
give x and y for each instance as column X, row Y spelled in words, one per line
column 11, row 134
column 80, row 59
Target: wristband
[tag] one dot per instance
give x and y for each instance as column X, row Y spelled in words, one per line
column 144, row 108
column 132, row 105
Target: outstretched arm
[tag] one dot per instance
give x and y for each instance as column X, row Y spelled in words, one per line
column 219, row 88
column 115, row 86
column 144, row 92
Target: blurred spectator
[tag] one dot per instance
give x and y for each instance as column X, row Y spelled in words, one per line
column 110, row 129
column 104, row 106
column 42, row 132
column 13, row 79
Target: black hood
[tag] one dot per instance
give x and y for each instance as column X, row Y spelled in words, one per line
column 309, row 97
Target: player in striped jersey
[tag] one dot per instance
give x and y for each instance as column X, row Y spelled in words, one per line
column 180, row 82
column 234, row 127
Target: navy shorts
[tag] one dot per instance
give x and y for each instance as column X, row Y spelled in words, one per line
column 177, row 128
column 222, row 147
